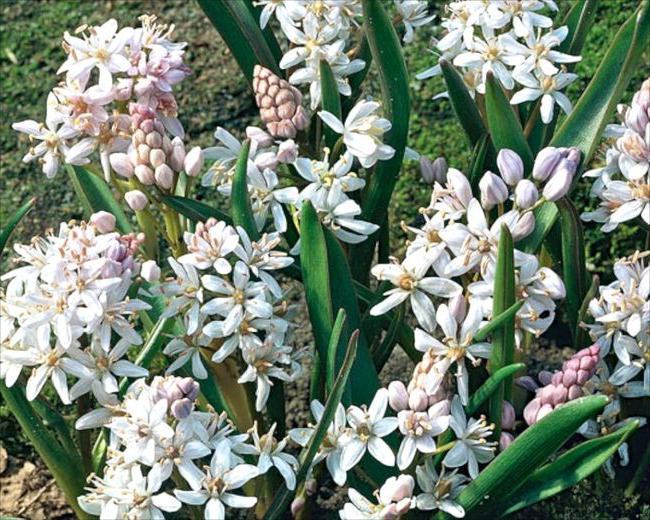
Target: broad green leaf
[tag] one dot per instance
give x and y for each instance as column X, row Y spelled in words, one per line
column 584, row 126
column 503, row 123
column 356, row 79
column 242, row 213
column 463, row 104
column 387, row 54
column 498, row 321
column 279, row 506
column 578, row 20
column 491, row 384
column 567, row 470
column 256, row 10
column 15, row 219
column 95, row 195
column 479, row 157
column 385, row 348
column 574, row 266
column 503, row 338
column 194, row 210
column 532, row 448
column 331, row 101
column 242, row 33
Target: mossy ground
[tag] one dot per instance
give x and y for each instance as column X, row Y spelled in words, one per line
column 216, row 94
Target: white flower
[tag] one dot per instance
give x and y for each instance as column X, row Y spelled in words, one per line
column 340, row 214
column 546, row 87
column 362, row 132
column 471, row 447
column 413, row 14
column 419, row 429
column 439, row 491
column 187, row 349
column 270, row 453
column 143, row 498
column 286, row 11
column 220, row 479
column 209, row 245
column 637, row 351
column 186, row 293
column 266, row 195
column 368, row 426
column 394, row 497
column 541, row 55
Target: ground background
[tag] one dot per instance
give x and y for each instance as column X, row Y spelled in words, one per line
column 216, row 94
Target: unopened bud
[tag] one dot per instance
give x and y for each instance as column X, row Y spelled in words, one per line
column 182, row 408
column 398, row 397
column 523, row 226
column 526, row 194
column 262, row 138
column 143, row 153
column 418, row 400
column 136, row 200
column 507, row 416
column 164, row 177
column 546, row 162
column 287, row 151
column 144, row 174
column 157, row 157
column 297, row 505
column 433, row 171
column 458, row 307
column 154, row 140
column 266, row 160
column 150, row 271
column 510, row 166
column 177, row 156
column 505, row 440
column 493, row 190
column 121, row 164
column 460, row 185
column 103, row 221
column 558, row 185
column 193, row 162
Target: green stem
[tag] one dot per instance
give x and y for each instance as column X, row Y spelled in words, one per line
column 83, row 436
column 53, row 419
column 639, row 473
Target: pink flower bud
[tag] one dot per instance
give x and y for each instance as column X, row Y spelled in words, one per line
column 182, row 408
column 545, row 377
column 136, row 200
column 507, row 416
column 258, row 135
column 560, row 394
column 193, row 162
column 556, row 379
column 582, row 377
column 559, row 183
column 297, row 505
column 103, row 221
column 287, row 151
column 505, row 440
column 164, row 177
column 523, row 226
column 418, row 400
column 572, row 364
column 157, row 157
column 460, row 185
column 545, row 163
column 121, row 164
column 403, row 488
column 266, row 160
column 177, row 157
column 150, row 271
column 569, row 378
column 493, row 190
column 153, row 140
column 526, row 194
column 510, row 166
column 544, row 411
column 403, row 506
column 574, row 392
column 144, row 174
column 398, row 397
column 530, row 411
column 143, row 153
column 123, row 89
column 458, row 307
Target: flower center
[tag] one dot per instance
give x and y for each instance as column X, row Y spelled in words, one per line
column 407, row 283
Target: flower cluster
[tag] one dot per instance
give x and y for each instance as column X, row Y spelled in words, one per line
column 623, row 184
column 230, row 302
column 105, row 70
column 68, row 312
column 512, row 40
column 158, row 443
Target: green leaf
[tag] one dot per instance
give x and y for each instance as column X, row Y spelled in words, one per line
column 279, row 506
column 194, row 210
column 567, row 470
column 15, row 219
column 463, row 104
column 356, row 79
column 242, row 213
column 578, row 20
column 95, row 195
column 503, row 123
column 242, row 34
column 331, row 101
column 491, row 385
column 335, row 354
column 387, row 54
column 582, row 337
column 529, row 450
column 497, row 322
column 274, row 46
column 584, row 126
column 503, row 338
column 574, row 266
column 382, row 353
column 479, row 157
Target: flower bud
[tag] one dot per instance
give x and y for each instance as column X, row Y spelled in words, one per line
column 526, row 194
column 527, row 383
column 287, row 151
column 150, row 271
column 164, row 176
column 177, row 156
column 103, row 221
column 460, row 185
column 157, row 157
column 193, row 162
column 559, row 183
column 143, row 153
column 493, row 190
column 510, row 166
column 523, row 226
column 458, row 307
column 153, row 140
column 507, row 416
column 136, row 200
column 262, row 138
column 398, row 397
column 545, row 163
column 505, row 440
column 121, row 164
column 123, row 89
column 297, row 505
column 144, row 174
column 418, row 400
column 181, row 408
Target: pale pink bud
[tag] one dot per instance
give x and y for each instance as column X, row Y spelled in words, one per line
column 559, row 183
column 404, row 488
column 505, row 440
column 121, row 164
column 493, row 190
column 153, row 140
column 507, row 416
column 526, row 194
column 545, row 163
column 266, row 160
column 531, row 410
column 510, row 166
column 177, row 156
column 418, row 400
column 123, row 89
column 574, row 392
column 460, row 185
column 193, row 162
column 143, row 153
column 164, row 176
column 181, row 408
column 523, row 226
column 136, row 200
column 403, row 506
column 103, row 221
column 287, row 151
column 301, row 119
column 569, row 378
column 544, row 411
column 157, row 157
column 458, row 307
column 262, row 138
column 398, row 397
column 144, row 174
column 560, row 394
column 297, row 505
column 150, row 271
column 138, row 137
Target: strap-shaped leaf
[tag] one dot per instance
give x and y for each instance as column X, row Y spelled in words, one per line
column 382, row 353
column 242, row 213
column 574, row 266
column 578, row 20
column 582, row 337
column 567, row 470
column 335, row 354
column 503, row 338
column 15, row 219
column 481, row 149
column 272, row 42
column 95, row 195
column 503, row 123
column 331, row 101
column 531, row 449
column 463, row 104
column 282, row 499
column 242, row 33
column 194, row 210
column 584, row 126
column 356, row 79
column 497, row 322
